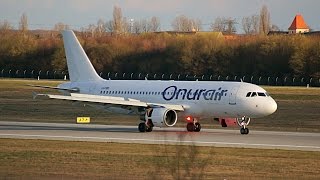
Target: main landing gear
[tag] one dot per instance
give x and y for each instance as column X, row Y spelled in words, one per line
column 243, row 122
column 145, row 126
column 194, row 126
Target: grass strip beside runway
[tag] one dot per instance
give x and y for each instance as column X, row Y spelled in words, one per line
column 47, row 159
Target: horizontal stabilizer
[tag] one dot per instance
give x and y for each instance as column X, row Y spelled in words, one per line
column 56, row 88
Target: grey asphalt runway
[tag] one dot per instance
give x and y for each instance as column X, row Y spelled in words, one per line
column 130, row 134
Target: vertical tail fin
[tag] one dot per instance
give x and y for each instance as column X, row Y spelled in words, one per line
column 79, row 66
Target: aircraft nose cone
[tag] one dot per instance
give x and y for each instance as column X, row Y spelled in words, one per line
column 272, row 107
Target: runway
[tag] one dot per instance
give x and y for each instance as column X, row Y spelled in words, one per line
column 130, row 134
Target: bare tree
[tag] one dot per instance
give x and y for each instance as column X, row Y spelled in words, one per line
column 218, row 24
column 60, row 26
column 183, row 23
column 226, row 25
column 101, row 27
column 117, row 20
column 145, row 26
column 23, row 24
column 255, row 23
column 125, row 25
column 231, row 26
column 250, row 24
column 264, row 20
column 246, row 25
column 109, row 26
column 119, row 25
column 92, row 29
column 196, row 24
column 136, row 27
column 5, row 25
column 154, row 24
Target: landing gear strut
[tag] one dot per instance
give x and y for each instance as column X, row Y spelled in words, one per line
column 243, row 122
column 194, row 126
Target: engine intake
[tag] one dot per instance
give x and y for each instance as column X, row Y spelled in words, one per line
column 162, row 116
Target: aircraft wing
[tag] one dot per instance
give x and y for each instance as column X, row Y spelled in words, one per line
column 110, row 100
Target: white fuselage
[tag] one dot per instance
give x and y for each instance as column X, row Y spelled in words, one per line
column 199, row 98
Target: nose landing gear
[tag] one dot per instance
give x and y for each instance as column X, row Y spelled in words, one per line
column 243, row 122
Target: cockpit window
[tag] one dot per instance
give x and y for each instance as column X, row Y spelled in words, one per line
column 261, row 94
column 253, row 94
column 248, row 94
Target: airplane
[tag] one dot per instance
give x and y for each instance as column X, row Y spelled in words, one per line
column 160, row 102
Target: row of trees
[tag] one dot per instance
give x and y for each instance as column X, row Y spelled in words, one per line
column 206, row 53
column 254, row 24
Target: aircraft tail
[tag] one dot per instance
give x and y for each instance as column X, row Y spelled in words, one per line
column 79, row 66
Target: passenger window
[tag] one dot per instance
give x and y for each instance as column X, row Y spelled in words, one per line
column 248, row 94
column 253, row 94
column 261, row 94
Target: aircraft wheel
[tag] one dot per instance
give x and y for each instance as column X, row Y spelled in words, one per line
column 149, row 129
column 142, row 127
column 190, row 127
column 197, row 127
column 242, row 131
column 246, row 130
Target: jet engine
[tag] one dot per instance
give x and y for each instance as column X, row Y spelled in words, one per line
column 161, row 117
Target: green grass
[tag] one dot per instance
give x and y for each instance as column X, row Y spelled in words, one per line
column 44, row 159
column 298, row 108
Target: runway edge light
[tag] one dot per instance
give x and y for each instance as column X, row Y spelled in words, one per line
column 83, row 120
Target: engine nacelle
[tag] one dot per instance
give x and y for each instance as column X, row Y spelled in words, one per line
column 162, row 117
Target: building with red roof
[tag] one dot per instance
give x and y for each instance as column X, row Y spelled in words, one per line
column 298, row 25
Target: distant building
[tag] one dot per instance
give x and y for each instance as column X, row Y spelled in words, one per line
column 298, row 25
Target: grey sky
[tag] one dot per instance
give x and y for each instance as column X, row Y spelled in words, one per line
column 80, row 13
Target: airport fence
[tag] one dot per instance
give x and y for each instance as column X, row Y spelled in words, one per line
column 259, row 80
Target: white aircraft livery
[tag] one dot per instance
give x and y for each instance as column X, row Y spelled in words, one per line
column 160, row 102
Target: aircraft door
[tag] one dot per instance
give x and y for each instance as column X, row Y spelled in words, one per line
column 233, row 96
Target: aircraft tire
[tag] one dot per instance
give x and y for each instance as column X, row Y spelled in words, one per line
column 242, row 131
column 197, row 127
column 190, row 127
column 142, row 127
column 149, row 129
column 246, row 130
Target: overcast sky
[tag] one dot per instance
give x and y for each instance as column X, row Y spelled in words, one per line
column 80, row 13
